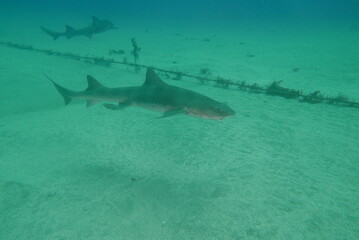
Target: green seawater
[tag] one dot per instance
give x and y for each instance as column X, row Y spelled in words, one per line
column 278, row 169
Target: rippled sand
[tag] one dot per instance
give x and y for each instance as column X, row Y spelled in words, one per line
column 279, row 169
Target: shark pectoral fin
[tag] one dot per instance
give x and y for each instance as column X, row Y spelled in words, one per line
column 172, row 113
column 110, row 106
column 120, row 106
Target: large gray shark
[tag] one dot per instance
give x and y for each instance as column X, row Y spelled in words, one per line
column 97, row 26
column 154, row 94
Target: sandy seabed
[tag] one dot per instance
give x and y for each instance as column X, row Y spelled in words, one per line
column 279, row 169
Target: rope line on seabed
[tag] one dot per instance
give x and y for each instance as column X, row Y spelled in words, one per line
column 274, row 89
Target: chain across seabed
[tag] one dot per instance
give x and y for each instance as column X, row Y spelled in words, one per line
column 274, row 89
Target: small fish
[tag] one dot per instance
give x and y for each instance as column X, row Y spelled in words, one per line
column 119, row 52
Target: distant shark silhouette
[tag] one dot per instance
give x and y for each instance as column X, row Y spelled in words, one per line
column 154, row 94
column 97, row 26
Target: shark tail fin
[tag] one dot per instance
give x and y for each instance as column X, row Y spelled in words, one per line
column 54, row 35
column 65, row 93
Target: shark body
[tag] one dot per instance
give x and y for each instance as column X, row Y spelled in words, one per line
column 154, row 94
column 97, row 26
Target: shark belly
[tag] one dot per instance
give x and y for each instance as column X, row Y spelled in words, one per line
column 154, row 106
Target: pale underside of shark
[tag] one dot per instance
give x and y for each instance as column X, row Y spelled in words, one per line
column 97, row 26
column 154, row 94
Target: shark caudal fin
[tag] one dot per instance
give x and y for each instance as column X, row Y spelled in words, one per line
column 54, row 35
column 65, row 93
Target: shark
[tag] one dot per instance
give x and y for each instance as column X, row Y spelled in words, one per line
column 153, row 94
column 97, row 26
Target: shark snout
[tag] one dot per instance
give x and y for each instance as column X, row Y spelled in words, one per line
column 225, row 110
column 227, row 114
column 217, row 111
column 230, row 112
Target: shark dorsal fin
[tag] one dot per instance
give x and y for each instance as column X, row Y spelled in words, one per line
column 69, row 28
column 95, row 20
column 93, row 83
column 152, row 78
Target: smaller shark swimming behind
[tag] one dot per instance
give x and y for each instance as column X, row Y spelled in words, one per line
column 154, row 94
column 97, row 26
